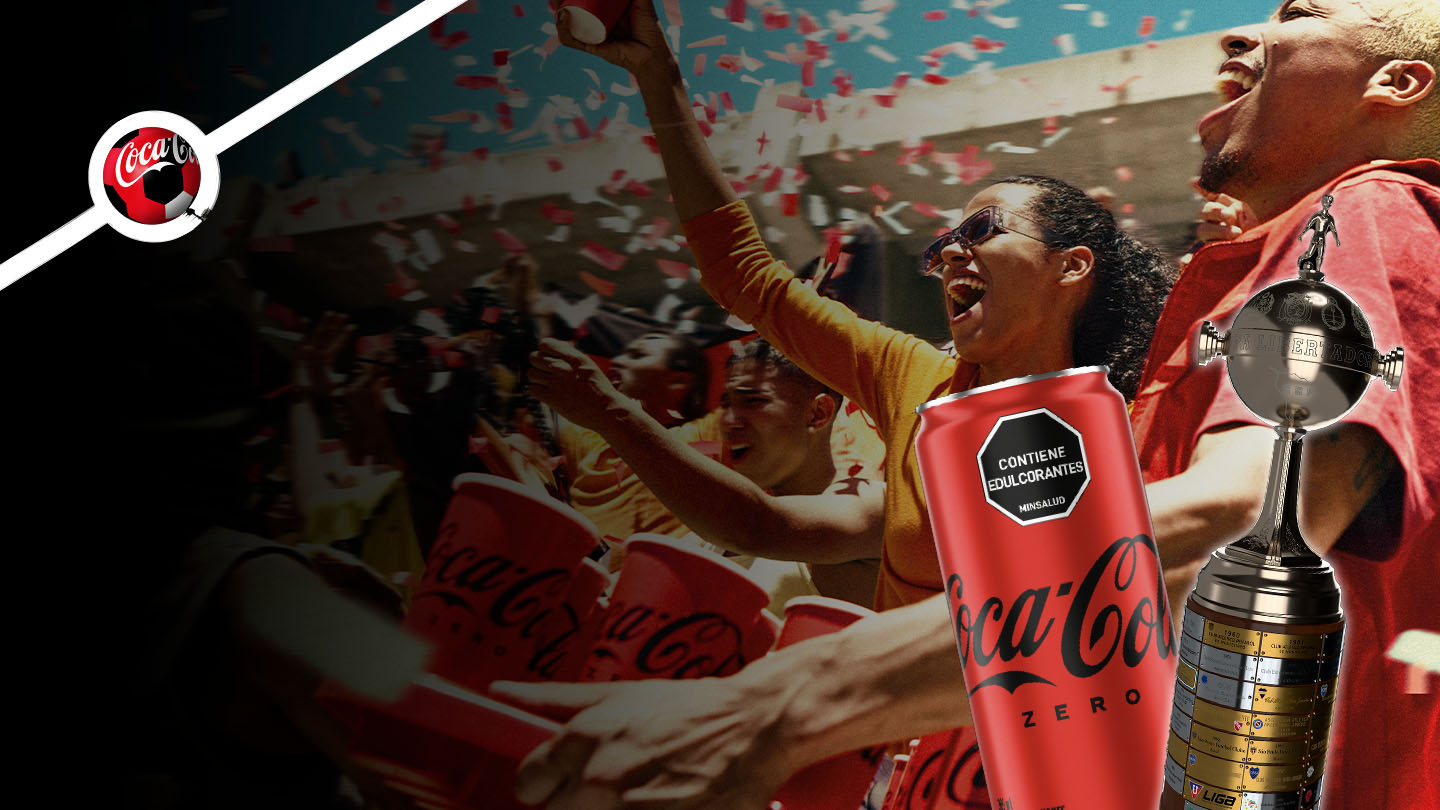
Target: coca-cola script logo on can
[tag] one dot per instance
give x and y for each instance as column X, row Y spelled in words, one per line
column 151, row 175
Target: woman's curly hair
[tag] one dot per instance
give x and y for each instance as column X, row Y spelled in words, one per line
column 1132, row 279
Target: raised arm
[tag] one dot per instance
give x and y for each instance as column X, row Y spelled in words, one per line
column 717, row 503
column 827, row 340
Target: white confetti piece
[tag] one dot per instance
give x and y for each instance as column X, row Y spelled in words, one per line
column 464, row 60
column 881, row 54
column 560, row 234
column 675, row 283
column 577, row 313
column 667, row 305
column 815, row 210
column 1051, row 139
column 1010, row 148
column 1075, row 6
column 428, row 245
column 1184, row 21
column 1098, row 19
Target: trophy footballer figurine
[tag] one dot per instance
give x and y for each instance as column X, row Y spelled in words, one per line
column 1261, row 638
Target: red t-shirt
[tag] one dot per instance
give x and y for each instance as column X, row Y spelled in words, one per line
column 1385, row 743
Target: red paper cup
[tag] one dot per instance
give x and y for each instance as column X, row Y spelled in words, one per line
column 963, row 786
column 844, row 779
column 926, row 775
column 761, row 638
column 443, row 742
column 677, row 612
column 565, row 635
column 591, row 20
column 504, row 560
column 897, row 778
column 810, row 616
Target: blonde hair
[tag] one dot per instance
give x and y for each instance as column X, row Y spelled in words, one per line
column 1410, row 29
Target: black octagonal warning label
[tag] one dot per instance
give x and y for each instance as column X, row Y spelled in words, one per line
column 1033, row 466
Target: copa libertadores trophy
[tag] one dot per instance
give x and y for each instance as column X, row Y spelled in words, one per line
column 1261, row 636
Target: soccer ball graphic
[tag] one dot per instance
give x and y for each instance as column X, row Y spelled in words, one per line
column 151, row 175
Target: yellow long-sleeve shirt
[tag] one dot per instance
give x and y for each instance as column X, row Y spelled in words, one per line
column 886, row 371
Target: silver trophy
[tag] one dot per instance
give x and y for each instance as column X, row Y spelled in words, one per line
column 1261, row 638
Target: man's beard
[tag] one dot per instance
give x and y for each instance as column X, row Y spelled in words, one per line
column 1219, row 172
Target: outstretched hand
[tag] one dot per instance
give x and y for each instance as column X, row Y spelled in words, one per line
column 636, row 43
column 647, row 745
column 314, row 361
column 567, row 380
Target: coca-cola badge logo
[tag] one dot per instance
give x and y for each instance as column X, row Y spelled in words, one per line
column 152, row 177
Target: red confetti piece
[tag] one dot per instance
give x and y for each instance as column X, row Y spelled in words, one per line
column 385, row 6
column 933, row 78
column 775, row 20
column 883, row 100
column 796, row 103
column 298, row 209
column 672, row 268
column 881, row 192
column 926, row 210
column 1147, row 26
column 833, row 242
column 582, row 129
column 556, row 214
column 735, row 10
column 790, row 204
column 699, row 64
column 480, row 152
column 603, row 256
column 1124, row 174
column 599, row 285
column 501, row 57
column 673, row 13
column 808, row 24
column 726, row 102
column 555, row 165
column 773, row 181
column 807, row 74
column 1127, row 208
column 508, row 241
column 452, row 40
column 448, row 223
column 983, row 45
column 1051, row 125
column 518, row 10
column 617, row 175
column 478, row 82
column 936, row 16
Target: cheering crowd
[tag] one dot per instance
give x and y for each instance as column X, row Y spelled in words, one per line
column 802, row 466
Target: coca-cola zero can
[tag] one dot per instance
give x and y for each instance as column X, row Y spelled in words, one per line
column 1054, row 587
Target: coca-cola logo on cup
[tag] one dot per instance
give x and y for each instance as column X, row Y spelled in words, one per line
column 151, row 175
column 1002, row 638
column 501, row 594
column 694, row 645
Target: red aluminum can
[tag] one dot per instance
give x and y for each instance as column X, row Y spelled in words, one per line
column 1054, row 587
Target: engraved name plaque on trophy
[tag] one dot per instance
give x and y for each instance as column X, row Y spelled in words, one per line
column 1261, row 637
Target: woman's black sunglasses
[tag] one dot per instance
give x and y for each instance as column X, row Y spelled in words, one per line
column 976, row 228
